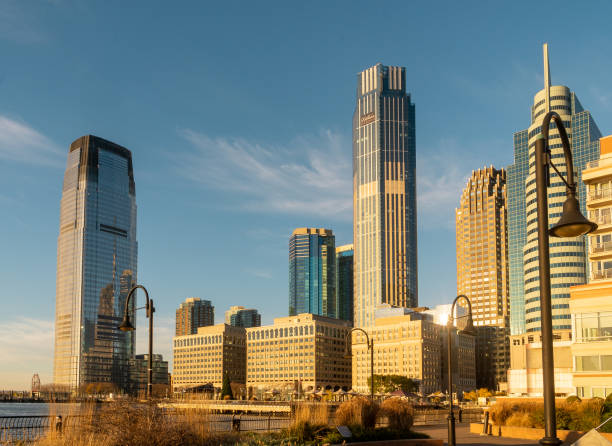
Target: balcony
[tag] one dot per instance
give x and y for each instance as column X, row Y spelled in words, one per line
column 601, row 249
column 602, row 274
column 602, row 221
column 602, row 195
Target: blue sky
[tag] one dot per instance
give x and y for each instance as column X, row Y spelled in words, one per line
column 238, row 115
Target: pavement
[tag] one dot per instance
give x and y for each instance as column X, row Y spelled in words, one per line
column 464, row 437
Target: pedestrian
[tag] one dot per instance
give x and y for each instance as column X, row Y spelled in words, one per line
column 58, row 424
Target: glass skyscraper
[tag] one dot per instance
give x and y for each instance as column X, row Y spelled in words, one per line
column 384, row 193
column 238, row 316
column 344, row 282
column 568, row 264
column 312, row 272
column 96, row 265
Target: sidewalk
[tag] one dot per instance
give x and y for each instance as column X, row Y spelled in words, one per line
column 464, row 437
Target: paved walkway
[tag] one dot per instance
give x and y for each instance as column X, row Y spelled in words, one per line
column 464, row 437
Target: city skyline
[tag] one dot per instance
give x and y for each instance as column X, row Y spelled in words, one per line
column 174, row 106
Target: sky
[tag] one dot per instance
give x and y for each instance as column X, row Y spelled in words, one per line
column 239, row 115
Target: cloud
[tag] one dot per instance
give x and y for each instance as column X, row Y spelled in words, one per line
column 21, row 143
column 311, row 176
column 26, row 348
column 259, row 273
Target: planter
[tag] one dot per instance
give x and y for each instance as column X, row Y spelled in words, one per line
column 529, row 433
column 411, row 442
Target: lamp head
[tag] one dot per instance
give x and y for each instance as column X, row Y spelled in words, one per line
column 572, row 223
column 126, row 325
column 469, row 326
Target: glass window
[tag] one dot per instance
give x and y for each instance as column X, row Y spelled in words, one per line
column 606, row 363
column 587, row 363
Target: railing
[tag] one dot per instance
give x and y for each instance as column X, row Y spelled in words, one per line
column 601, row 247
column 602, row 220
column 30, row 428
column 600, row 195
column 602, row 274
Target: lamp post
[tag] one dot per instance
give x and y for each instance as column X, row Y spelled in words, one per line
column 126, row 325
column 370, row 344
column 469, row 329
column 571, row 224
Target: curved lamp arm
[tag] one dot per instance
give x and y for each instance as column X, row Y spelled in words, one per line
column 350, row 332
column 127, row 300
column 571, row 184
column 451, row 317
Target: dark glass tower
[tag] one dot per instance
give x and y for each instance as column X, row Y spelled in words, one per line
column 96, row 265
column 312, row 272
column 344, row 282
column 384, row 193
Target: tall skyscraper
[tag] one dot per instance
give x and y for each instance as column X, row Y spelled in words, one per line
column 312, row 272
column 344, row 282
column 96, row 265
column 194, row 313
column 384, row 193
column 567, row 256
column 482, row 270
column 238, row 316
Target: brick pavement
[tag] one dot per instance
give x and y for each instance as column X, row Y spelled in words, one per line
column 465, row 438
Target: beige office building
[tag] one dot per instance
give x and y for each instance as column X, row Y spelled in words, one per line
column 591, row 304
column 482, row 270
column 406, row 342
column 205, row 357
column 305, row 351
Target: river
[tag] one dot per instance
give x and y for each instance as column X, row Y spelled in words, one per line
column 24, row 409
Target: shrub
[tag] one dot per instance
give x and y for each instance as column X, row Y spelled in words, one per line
column 500, row 412
column 399, row 413
column 519, row 419
column 357, row 411
column 563, row 417
column 573, row 399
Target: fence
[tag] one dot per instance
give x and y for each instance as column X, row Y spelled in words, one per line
column 30, row 428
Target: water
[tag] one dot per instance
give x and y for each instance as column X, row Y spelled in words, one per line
column 25, row 409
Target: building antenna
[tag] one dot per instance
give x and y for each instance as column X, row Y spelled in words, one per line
column 546, row 77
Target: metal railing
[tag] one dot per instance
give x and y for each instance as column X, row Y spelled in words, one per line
column 603, row 194
column 602, row 219
column 602, row 274
column 601, row 247
column 31, row 427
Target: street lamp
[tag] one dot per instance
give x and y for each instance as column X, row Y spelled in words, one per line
column 126, row 325
column 469, row 329
column 370, row 344
column 571, row 224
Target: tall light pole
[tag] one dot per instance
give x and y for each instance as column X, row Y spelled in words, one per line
column 571, row 224
column 126, row 325
column 370, row 344
column 469, row 329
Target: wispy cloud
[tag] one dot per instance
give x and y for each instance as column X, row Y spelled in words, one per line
column 311, row 175
column 20, row 142
column 259, row 273
column 26, row 348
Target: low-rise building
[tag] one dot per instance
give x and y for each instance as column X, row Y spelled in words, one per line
column 525, row 373
column 205, row 357
column 139, row 372
column 303, row 351
column 406, row 342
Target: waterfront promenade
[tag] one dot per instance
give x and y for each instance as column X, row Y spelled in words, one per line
column 464, row 437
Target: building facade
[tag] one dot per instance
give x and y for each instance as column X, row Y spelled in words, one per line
column 406, row 343
column 344, row 282
column 139, row 373
column 302, row 352
column 238, row 316
column 192, row 314
column 96, row 265
column 384, row 193
column 482, row 270
column 312, row 272
column 525, row 373
column 207, row 356
column 568, row 256
column 591, row 304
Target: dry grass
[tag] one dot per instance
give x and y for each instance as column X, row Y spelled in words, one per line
column 357, row 411
column 573, row 415
column 119, row 424
column 399, row 413
column 314, row 413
